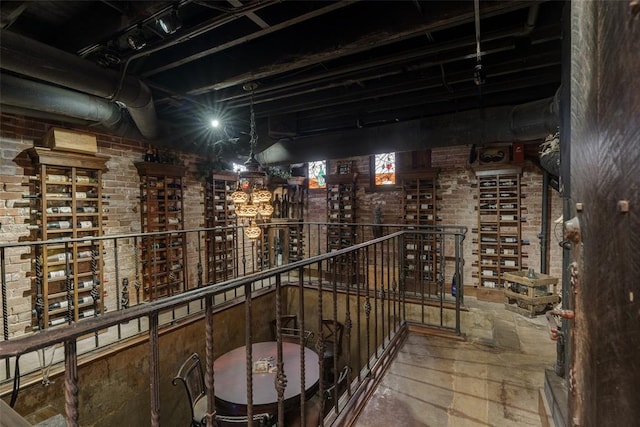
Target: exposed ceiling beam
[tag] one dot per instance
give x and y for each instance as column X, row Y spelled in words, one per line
column 236, row 42
column 362, row 44
column 251, row 15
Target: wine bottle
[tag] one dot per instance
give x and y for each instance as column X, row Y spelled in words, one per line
column 59, row 257
column 57, row 178
column 509, row 240
column 84, row 254
column 56, row 322
column 86, row 195
column 62, row 195
column 86, row 180
column 277, row 207
column 64, row 303
column 85, row 314
column 85, row 284
column 57, row 274
column 58, row 225
column 59, row 209
column 31, row 196
column 148, row 155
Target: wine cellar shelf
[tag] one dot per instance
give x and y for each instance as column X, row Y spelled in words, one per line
column 341, row 231
column 220, row 215
column 286, row 233
column 163, row 255
column 67, row 203
column 282, row 240
column 499, row 232
column 421, row 255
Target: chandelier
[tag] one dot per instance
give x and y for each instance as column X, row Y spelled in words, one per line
column 252, row 200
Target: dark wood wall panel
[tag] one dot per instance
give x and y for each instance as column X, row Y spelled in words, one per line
column 605, row 169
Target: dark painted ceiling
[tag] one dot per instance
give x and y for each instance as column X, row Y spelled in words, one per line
column 319, row 66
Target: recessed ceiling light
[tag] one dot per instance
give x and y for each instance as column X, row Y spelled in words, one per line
column 170, row 23
column 136, row 40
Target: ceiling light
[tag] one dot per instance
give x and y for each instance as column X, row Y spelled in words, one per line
column 251, row 199
column 136, row 40
column 170, row 23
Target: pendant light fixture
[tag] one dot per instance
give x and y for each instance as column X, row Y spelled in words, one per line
column 252, row 199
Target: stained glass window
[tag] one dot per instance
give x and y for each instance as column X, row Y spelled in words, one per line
column 385, row 168
column 317, row 173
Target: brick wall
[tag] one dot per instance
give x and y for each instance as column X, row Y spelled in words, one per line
column 456, row 206
column 121, row 216
column 121, row 183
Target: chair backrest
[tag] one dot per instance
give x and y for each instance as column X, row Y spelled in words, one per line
column 191, row 376
column 332, row 393
column 332, row 332
column 288, row 322
column 289, row 330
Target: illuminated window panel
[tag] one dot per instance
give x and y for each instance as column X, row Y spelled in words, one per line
column 385, row 169
column 317, row 173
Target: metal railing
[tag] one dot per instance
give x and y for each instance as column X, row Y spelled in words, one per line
column 364, row 287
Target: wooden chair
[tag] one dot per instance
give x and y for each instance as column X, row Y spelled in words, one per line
column 317, row 407
column 191, row 376
column 289, row 330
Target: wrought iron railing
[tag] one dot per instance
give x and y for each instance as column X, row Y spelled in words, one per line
column 363, row 284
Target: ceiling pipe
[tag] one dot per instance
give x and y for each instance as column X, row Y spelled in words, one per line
column 43, row 115
column 45, row 101
column 38, row 60
column 525, row 122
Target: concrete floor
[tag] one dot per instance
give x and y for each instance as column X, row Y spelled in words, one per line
column 491, row 379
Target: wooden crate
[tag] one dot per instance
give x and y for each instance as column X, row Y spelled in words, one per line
column 529, row 295
column 69, row 140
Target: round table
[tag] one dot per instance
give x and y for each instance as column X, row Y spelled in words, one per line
column 230, row 379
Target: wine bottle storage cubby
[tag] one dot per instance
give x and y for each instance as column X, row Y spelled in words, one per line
column 66, row 205
column 341, row 216
column 499, row 231
column 290, row 197
column 163, row 256
column 419, row 210
column 221, row 242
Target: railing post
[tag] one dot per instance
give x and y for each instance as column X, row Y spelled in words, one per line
column 320, row 341
column 302, row 339
column 137, row 276
column 458, row 282
column 71, row 383
column 281, row 379
column 209, row 379
column 367, row 308
column 5, row 312
column 154, row 375
column 248, row 342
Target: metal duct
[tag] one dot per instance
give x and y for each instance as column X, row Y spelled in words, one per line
column 530, row 121
column 28, row 95
column 34, row 59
